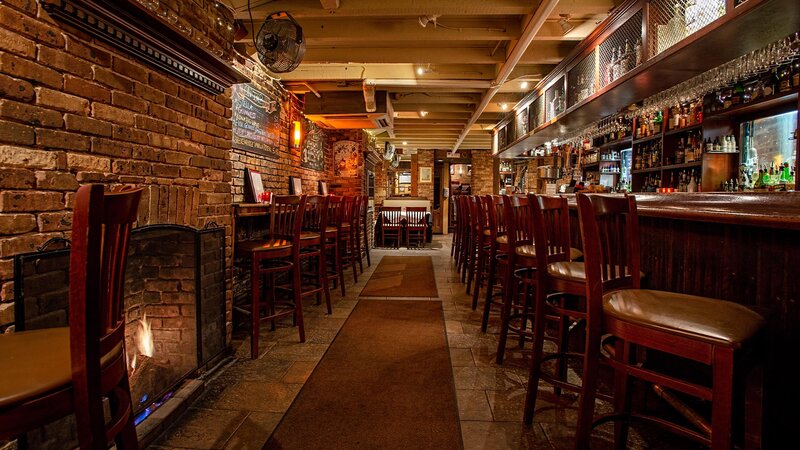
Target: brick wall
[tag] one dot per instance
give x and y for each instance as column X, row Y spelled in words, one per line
column 484, row 172
column 74, row 110
column 424, row 158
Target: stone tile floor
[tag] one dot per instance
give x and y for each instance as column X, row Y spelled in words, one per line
column 244, row 403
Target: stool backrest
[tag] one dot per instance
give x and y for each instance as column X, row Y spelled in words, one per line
column 101, row 227
column 286, row 217
column 476, row 215
column 349, row 210
column 390, row 215
column 517, row 215
column 610, row 234
column 335, row 206
column 316, row 213
column 416, row 215
column 495, row 213
column 551, row 228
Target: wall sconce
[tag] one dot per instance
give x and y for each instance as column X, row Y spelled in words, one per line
column 297, row 134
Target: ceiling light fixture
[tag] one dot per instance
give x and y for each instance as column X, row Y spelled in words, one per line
column 524, row 85
column 504, row 106
column 423, row 113
column 563, row 22
column 405, row 143
column 433, row 18
column 420, row 70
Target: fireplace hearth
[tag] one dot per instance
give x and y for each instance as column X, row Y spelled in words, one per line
column 174, row 305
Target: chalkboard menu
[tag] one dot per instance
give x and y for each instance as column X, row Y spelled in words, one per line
column 313, row 155
column 256, row 120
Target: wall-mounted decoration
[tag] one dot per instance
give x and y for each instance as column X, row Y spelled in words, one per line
column 345, row 159
column 295, row 186
column 426, row 174
column 256, row 120
column 313, row 154
column 323, row 188
column 255, row 185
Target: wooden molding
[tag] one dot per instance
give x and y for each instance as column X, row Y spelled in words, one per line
column 133, row 29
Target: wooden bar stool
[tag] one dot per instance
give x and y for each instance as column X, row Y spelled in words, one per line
column 416, row 224
column 715, row 333
column 278, row 255
column 559, row 287
column 480, row 228
column 314, row 246
column 336, row 272
column 363, row 232
column 347, row 245
column 391, row 225
column 498, row 243
column 467, row 240
column 460, row 231
column 50, row 373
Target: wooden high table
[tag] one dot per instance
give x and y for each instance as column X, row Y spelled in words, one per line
column 741, row 247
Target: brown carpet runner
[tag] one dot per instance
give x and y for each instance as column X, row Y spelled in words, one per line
column 402, row 276
column 385, row 383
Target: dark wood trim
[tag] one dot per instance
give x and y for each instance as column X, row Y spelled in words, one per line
column 135, row 30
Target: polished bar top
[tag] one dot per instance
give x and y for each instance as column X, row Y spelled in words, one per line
column 764, row 209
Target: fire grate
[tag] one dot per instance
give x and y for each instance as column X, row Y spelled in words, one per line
column 671, row 21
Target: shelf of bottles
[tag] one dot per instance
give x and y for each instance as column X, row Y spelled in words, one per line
column 772, row 87
column 555, row 100
column 671, row 21
column 536, row 113
column 621, row 52
column 522, row 122
column 581, row 81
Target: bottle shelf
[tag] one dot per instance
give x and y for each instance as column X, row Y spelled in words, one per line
column 610, row 160
column 785, row 99
column 647, row 139
column 683, row 165
column 651, row 169
column 591, row 164
column 626, row 141
column 684, row 129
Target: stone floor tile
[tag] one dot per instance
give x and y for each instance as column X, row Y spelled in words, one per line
column 253, row 396
column 502, row 436
column 461, row 357
column 507, row 405
column 473, row 405
column 254, row 431
column 204, row 429
column 299, row 372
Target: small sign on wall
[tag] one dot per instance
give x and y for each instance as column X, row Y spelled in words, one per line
column 426, row 174
column 345, row 159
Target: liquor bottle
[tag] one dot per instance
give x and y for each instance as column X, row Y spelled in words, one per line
column 609, row 75
column 796, row 73
column 629, row 57
column 784, row 78
column 679, row 153
column 692, row 186
column 615, row 58
column 657, row 122
column 638, row 52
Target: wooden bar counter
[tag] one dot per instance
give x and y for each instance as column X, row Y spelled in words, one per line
column 741, row 247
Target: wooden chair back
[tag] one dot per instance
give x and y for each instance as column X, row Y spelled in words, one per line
column 335, row 206
column 390, row 215
column 101, row 227
column 476, row 214
column 316, row 213
column 551, row 229
column 416, row 216
column 355, row 221
column 518, row 218
column 286, row 217
column 349, row 208
column 495, row 212
column 610, row 233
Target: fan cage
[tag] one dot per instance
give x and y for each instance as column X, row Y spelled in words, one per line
column 280, row 44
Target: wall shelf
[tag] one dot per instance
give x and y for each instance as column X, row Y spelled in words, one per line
column 696, row 126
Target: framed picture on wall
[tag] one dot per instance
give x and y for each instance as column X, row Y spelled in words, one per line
column 323, row 187
column 255, row 185
column 295, row 186
column 426, row 174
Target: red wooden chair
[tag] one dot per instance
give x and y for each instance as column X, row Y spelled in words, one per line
column 498, row 243
column 347, row 244
column 416, row 225
column 50, row 373
column 363, row 231
column 391, row 225
column 313, row 246
column 335, row 210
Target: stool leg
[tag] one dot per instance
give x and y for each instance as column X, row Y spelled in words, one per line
column 255, row 316
column 478, row 278
column 591, row 363
column 622, row 394
column 322, row 274
column 351, row 248
column 722, row 403
column 487, row 306
column 366, row 246
column 339, row 264
column 297, row 292
column 510, row 293
column 358, row 251
column 539, row 324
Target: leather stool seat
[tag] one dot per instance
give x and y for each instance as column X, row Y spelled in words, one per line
column 309, row 235
column 572, row 271
column 529, row 251
column 502, row 240
column 714, row 321
column 262, row 246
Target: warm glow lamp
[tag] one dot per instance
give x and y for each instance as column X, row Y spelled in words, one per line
column 297, row 134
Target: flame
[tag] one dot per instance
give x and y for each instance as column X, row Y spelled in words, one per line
column 144, row 339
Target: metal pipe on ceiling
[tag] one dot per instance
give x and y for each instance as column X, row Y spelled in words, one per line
column 533, row 26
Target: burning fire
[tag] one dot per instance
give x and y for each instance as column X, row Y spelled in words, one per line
column 144, row 340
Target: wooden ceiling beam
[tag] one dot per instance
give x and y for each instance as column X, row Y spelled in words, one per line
column 370, row 8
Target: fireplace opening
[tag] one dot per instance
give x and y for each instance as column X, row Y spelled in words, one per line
column 174, row 304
